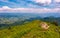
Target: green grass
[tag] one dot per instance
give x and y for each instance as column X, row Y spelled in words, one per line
column 30, row 30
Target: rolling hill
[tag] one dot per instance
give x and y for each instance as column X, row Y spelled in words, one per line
column 31, row 29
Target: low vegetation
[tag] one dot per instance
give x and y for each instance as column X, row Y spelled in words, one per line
column 31, row 29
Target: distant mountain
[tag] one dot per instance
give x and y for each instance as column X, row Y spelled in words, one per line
column 12, row 18
column 18, row 15
column 29, row 14
column 50, row 14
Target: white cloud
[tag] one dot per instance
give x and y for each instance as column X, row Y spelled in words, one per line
column 42, row 1
column 57, row 0
column 29, row 10
column 57, row 3
column 46, row 2
column 6, row 7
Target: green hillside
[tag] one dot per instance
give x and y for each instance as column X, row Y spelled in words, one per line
column 30, row 30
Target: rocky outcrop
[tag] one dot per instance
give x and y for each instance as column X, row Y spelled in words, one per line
column 44, row 25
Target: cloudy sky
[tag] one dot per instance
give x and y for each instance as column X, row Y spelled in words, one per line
column 32, row 6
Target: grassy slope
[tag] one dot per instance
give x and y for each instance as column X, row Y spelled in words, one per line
column 30, row 30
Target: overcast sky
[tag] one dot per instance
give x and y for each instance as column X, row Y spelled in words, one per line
column 30, row 6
